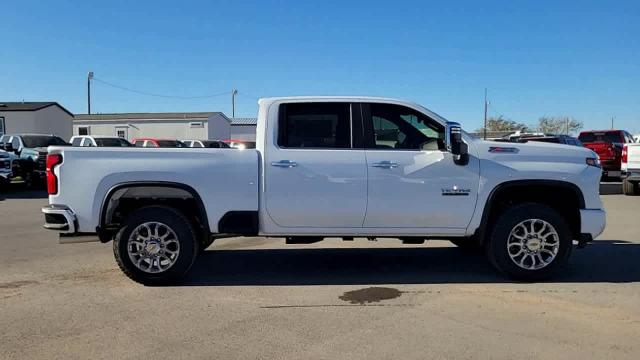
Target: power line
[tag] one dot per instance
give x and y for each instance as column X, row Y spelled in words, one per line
column 158, row 95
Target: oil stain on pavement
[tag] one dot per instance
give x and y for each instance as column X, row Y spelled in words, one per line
column 370, row 295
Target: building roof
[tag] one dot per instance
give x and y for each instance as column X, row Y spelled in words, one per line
column 148, row 116
column 244, row 121
column 30, row 106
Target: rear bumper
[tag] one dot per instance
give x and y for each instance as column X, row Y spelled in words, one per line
column 60, row 218
column 631, row 175
column 593, row 222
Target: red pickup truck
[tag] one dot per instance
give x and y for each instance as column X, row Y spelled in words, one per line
column 608, row 145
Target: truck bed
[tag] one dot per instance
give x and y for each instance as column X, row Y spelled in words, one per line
column 225, row 179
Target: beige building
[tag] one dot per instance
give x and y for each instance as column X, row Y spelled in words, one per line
column 35, row 118
column 181, row 126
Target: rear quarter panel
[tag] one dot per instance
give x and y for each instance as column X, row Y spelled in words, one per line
column 225, row 179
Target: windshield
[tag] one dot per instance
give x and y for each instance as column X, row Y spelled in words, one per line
column 112, row 142
column 608, row 137
column 170, row 143
column 34, row 141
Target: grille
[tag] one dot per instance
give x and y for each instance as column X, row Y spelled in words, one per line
column 42, row 161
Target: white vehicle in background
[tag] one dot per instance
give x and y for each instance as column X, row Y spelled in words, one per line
column 214, row 144
column 331, row 167
column 636, row 137
column 99, row 141
column 631, row 169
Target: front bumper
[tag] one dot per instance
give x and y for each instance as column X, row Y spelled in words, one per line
column 59, row 218
column 593, row 222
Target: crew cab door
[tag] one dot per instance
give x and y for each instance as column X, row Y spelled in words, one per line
column 413, row 181
column 314, row 175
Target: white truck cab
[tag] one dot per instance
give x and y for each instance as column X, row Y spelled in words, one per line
column 98, row 140
column 332, row 167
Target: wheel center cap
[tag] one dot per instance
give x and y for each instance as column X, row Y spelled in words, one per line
column 152, row 247
column 534, row 244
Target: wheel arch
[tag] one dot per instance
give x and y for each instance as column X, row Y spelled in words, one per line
column 146, row 192
column 569, row 199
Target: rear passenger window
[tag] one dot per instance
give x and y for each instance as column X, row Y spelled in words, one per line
column 315, row 125
column 76, row 141
column 139, row 143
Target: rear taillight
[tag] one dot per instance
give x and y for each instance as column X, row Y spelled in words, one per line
column 625, row 151
column 53, row 160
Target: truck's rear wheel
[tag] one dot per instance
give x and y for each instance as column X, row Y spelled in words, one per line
column 630, row 188
column 157, row 246
column 529, row 242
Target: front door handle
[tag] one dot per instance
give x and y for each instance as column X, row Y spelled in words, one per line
column 284, row 164
column 385, row 165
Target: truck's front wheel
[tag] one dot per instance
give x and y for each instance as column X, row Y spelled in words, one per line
column 529, row 242
column 157, row 246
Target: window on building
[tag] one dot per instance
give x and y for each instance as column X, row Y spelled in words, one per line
column 121, row 133
column 2, row 131
column 315, row 125
column 83, row 130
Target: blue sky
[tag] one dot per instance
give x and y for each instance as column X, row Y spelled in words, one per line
column 576, row 58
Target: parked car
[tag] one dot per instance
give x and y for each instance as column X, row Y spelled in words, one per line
column 636, row 137
column 99, row 141
column 608, row 145
column 631, row 169
column 556, row 139
column 323, row 169
column 241, row 144
column 31, row 152
column 158, row 143
column 206, row 144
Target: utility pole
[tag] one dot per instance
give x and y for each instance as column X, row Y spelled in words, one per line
column 89, row 77
column 612, row 118
column 233, row 103
column 485, row 113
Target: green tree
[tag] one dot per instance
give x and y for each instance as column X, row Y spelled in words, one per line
column 559, row 125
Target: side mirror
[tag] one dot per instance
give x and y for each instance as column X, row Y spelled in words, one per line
column 455, row 145
column 8, row 147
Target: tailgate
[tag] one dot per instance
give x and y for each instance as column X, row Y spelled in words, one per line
column 606, row 151
column 633, row 156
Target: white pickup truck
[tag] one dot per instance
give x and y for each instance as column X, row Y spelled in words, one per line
column 331, row 167
column 631, row 169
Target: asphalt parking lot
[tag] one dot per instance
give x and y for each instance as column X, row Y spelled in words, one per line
column 259, row 298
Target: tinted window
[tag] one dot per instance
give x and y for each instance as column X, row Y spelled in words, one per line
column 313, row 125
column 170, row 143
column 87, row 142
column 15, row 142
column 402, row 128
column 34, row 141
column 608, row 136
column 547, row 140
column 139, row 143
column 112, row 142
column 76, row 141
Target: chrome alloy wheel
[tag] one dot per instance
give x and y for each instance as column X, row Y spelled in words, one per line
column 533, row 244
column 153, row 247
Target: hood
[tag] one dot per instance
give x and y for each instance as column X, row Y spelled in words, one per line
column 533, row 151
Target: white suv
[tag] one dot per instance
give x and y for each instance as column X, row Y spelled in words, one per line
column 99, row 141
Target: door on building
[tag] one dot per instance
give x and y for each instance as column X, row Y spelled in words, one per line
column 122, row 132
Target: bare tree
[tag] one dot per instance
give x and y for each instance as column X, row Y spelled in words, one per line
column 559, row 124
column 501, row 123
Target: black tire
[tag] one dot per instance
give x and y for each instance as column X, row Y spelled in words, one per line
column 471, row 245
column 186, row 237
column 630, row 188
column 497, row 242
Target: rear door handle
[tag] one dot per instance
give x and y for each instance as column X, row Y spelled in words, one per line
column 284, row 164
column 385, row 165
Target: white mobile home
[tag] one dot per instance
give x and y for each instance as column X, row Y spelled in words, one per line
column 189, row 125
